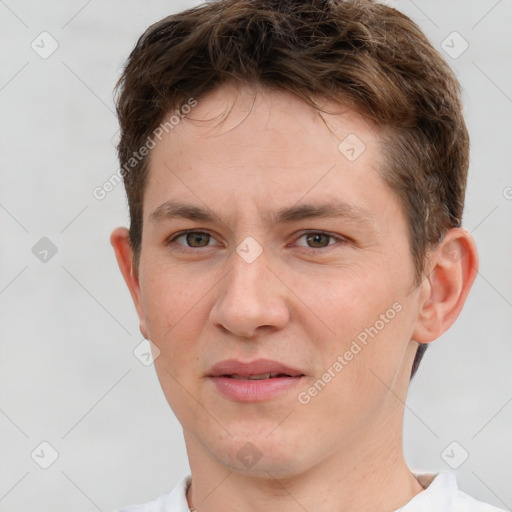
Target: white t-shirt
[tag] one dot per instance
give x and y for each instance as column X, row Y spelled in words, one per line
column 441, row 494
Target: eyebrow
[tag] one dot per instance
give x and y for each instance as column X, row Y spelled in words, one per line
column 334, row 209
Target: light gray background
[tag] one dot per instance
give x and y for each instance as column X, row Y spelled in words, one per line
column 68, row 375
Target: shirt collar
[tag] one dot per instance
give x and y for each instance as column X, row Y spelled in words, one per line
column 440, row 490
column 438, row 495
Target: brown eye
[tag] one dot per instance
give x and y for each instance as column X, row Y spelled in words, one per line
column 315, row 241
column 190, row 240
column 197, row 239
column 319, row 240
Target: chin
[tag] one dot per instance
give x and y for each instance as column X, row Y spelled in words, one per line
column 259, row 455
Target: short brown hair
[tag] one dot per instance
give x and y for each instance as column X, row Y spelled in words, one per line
column 358, row 53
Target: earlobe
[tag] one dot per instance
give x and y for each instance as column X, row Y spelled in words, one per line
column 453, row 268
column 120, row 241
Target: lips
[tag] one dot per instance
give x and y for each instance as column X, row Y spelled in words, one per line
column 255, row 381
column 261, row 376
column 259, row 369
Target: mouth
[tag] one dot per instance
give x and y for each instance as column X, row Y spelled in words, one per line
column 259, row 369
column 252, row 381
column 256, row 387
column 260, row 376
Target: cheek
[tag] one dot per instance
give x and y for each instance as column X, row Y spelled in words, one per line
column 174, row 312
column 172, row 302
column 365, row 311
column 360, row 368
column 347, row 300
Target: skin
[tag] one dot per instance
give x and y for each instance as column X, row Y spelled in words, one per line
column 302, row 302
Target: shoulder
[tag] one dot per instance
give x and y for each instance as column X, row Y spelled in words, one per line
column 173, row 501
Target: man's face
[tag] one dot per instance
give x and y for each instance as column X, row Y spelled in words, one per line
column 343, row 296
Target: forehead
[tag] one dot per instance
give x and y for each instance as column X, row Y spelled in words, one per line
column 223, row 111
column 242, row 143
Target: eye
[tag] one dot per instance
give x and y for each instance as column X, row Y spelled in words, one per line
column 193, row 239
column 320, row 240
column 314, row 240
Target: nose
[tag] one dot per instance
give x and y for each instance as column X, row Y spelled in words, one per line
column 251, row 299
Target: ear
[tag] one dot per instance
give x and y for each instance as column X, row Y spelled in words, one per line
column 120, row 240
column 452, row 270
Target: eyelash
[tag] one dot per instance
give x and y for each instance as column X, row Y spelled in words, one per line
column 339, row 239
